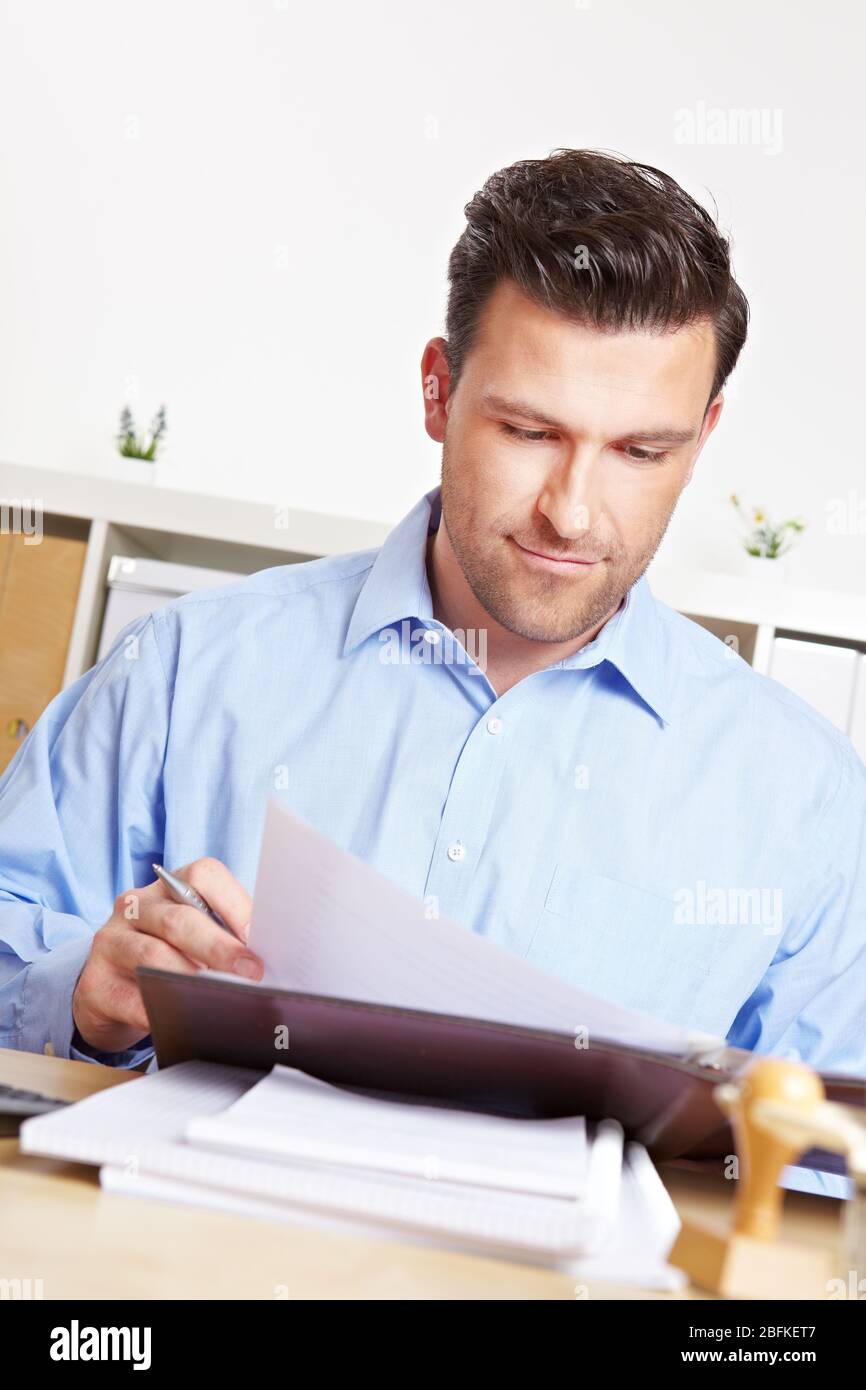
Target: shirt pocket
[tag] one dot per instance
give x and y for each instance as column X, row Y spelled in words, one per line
column 623, row 943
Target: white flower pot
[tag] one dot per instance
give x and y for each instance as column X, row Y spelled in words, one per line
column 763, row 570
column 130, row 470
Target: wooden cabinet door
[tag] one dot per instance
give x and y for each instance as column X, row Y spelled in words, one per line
column 38, row 593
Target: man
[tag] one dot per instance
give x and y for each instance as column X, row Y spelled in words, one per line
column 562, row 764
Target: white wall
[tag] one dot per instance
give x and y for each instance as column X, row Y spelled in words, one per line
column 245, row 209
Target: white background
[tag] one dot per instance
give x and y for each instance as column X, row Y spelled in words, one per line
column 244, row 208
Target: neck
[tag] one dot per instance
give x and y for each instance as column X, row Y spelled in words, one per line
column 510, row 657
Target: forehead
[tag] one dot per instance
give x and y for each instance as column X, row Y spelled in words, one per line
column 525, row 351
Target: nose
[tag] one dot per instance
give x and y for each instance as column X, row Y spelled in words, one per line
column 571, row 496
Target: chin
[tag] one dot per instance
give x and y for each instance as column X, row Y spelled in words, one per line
column 536, row 628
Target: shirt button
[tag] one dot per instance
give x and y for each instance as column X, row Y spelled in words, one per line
column 494, row 725
column 48, row 1049
column 456, row 851
column 431, row 636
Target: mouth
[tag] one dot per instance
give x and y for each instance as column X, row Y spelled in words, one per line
column 560, row 564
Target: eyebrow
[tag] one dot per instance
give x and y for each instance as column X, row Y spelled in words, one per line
column 504, row 406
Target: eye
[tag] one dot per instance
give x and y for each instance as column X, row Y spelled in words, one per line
column 640, row 455
column 530, row 436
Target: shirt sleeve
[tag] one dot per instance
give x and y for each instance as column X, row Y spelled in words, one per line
column 81, row 820
column 811, row 1004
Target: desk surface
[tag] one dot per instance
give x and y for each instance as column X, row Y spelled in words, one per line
column 57, row 1225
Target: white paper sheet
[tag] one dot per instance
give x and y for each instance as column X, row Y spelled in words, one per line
column 290, row 1115
column 325, row 923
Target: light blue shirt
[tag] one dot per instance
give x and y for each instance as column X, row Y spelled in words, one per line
column 649, row 818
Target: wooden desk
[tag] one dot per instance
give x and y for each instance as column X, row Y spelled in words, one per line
column 58, row 1226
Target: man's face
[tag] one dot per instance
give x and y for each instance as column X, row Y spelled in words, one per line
column 564, row 453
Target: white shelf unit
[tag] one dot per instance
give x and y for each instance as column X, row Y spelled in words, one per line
column 153, row 522
column 730, row 605
column 140, row 520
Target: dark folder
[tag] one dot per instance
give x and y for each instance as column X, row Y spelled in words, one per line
column 664, row 1102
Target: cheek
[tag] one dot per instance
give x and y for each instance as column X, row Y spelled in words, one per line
column 487, row 473
column 639, row 505
column 635, row 494
column 513, row 477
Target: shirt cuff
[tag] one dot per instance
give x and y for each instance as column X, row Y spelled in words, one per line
column 47, row 1022
column 131, row 1057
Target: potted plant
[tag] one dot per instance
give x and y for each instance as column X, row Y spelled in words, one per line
column 764, row 544
column 145, row 447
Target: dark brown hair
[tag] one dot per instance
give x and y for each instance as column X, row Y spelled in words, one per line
column 652, row 257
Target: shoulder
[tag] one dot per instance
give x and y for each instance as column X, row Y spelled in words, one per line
column 320, row 588
column 713, row 676
column 283, row 582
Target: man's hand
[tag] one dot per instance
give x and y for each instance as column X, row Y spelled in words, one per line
column 147, row 927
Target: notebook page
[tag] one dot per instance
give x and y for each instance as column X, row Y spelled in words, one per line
column 447, row 1225
column 115, row 1124
column 291, row 1115
column 325, row 923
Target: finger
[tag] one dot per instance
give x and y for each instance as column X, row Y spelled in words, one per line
column 128, row 904
column 189, row 931
column 221, row 891
column 110, row 992
column 126, row 949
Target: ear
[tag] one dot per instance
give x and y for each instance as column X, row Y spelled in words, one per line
column 436, row 384
column 711, row 419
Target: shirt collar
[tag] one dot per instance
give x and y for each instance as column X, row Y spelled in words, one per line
column 397, row 587
column 633, row 640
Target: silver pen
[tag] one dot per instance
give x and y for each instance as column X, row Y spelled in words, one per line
column 185, row 893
